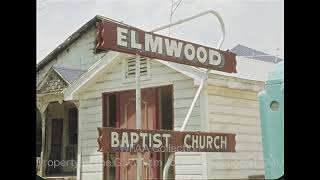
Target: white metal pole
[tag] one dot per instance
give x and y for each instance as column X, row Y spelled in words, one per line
column 171, row 156
column 138, row 112
column 196, row 16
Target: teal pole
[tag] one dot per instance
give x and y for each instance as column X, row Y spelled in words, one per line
column 271, row 102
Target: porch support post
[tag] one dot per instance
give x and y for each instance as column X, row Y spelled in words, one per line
column 76, row 103
column 42, row 106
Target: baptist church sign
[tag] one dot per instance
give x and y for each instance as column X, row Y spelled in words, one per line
column 138, row 140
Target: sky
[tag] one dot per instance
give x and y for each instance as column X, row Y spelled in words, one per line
column 258, row 24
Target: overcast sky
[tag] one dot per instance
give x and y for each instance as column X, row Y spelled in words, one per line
column 254, row 23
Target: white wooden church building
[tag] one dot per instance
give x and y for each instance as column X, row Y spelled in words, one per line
column 79, row 89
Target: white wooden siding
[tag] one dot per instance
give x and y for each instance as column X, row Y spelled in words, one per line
column 188, row 165
column 235, row 111
column 79, row 54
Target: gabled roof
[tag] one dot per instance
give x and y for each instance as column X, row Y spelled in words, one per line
column 64, row 45
column 59, row 76
column 250, row 53
column 52, row 82
column 69, row 74
column 95, row 70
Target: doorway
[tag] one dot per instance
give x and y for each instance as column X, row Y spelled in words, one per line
column 156, row 113
column 56, row 144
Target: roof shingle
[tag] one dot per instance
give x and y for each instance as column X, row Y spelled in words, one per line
column 69, row 74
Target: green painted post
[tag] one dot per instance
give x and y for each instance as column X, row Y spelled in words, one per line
column 272, row 123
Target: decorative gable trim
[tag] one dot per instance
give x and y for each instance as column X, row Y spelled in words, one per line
column 52, row 82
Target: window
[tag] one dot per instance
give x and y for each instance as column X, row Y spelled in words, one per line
column 38, row 134
column 73, row 126
column 109, row 120
column 165, row 107
column 109, row 110
column 165, row 99
column 129, row 69
column 71, row 149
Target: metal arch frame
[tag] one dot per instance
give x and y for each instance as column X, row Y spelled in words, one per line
column 171, row 156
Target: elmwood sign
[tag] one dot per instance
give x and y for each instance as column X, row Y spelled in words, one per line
column 127, row 39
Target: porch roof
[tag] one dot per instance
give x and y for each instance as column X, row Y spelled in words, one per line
column 69, row 74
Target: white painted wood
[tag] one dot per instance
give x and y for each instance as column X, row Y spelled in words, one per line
column 79, row 155
column 189, row 71
column 188, row 160
column 92, row 102
column 87, row 151
column 159, row 70
column 204, row 110
column 232, row 101
column 189, row 169
column 234, row 93
column 229, row 110
column 187, row 154
column 204, row 116
column 91, row 110
column 235, row 164
column 233, row 174
column 91, row 126
column 184, row 85
column 190, row 127
column 185, row 93
column 184, row 177
column 235, row 111
column 115, row 86
column 92, row 159
column 93, row 73
column 241, row 111
column 79, row 54
column 91, row 176
column 181, row 112
column 234, row 128
column 246, row 146
column 184, row 102
column 234, row 83
column 89, row 134
column 240, row 155
column 110, row 81
column 92, row 167
column 193, row 121
column 248, row 138
column 232, row 119
column 90, row 142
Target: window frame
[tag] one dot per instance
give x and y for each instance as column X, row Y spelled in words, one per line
column 133, row 79
column 75, row 132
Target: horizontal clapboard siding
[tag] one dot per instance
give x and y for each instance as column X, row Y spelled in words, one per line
column 235, row 111
column 79, row 55
column 234, row 173
column 87, row 151
column 92, row 159
column 188, row 165
column 91, row 175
